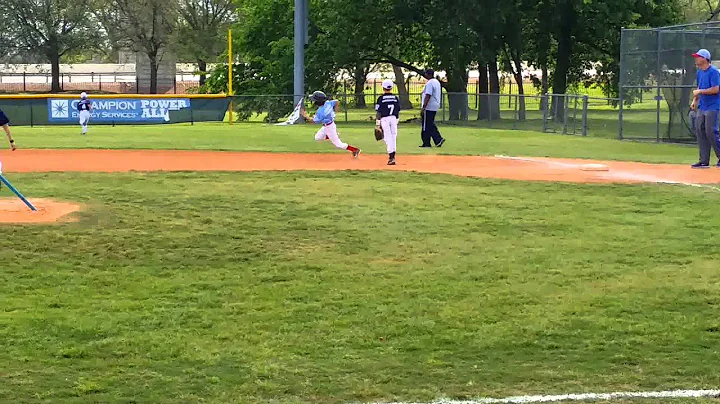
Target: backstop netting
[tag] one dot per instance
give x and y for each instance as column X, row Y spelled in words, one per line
column 657, row 77
column 50, row 109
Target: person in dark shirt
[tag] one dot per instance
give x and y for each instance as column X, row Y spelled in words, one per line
column 388, row 115
column 5, row 123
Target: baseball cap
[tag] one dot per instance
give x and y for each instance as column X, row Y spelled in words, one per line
column 83, row 95
column 702, row 53
column 388, row 84
column 430, row 72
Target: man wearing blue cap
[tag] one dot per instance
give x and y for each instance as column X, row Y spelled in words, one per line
column 706, row 99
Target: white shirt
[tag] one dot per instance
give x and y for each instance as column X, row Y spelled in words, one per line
column 433, row 88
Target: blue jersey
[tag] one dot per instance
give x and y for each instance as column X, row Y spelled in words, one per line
column 326, row 113
column 708, row 79
column 84, row 105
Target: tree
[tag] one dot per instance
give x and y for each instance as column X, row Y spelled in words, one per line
column 47, row 29
column 145, row 26
column 201, row 33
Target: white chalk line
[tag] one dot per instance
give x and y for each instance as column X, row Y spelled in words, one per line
column 669, row 394
column 616, row 174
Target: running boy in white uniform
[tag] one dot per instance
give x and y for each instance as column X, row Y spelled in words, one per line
column 388, row 114
column 325, row 115
column 84, row 107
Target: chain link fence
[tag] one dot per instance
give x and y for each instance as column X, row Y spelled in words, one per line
column 580, row 115
column 657, row 77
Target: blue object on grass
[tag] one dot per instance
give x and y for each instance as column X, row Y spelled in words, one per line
column 16, row 192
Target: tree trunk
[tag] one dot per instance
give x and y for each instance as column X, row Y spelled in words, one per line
column 202, row 67
column 544, row 85
column 402, row 89
column 483, row 110
column 517, row 73
column 359, row 77
column 564, row 51
column 153, row 74
column 457, row 94
column 494, row 89
column 54, row 56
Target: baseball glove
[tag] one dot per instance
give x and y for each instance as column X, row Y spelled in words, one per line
column 379, row 133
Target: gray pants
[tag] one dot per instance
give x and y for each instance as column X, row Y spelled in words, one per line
column 705, row 131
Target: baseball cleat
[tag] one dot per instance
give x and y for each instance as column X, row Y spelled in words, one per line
column 700, row 165
column 442, row 142
column 391, row 162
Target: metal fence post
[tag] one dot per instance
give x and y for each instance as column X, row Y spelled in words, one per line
column 585, row 116
column 564, row 113
column 575, row 110
column 346, row 106
column 24, row 82
column 544, row 99
column 31, row 113
column 442, row 104
column 658, row 73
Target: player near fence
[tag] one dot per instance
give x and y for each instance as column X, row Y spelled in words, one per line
column 388, row 114
column 84, row 107
column 5, row 123
column 706, row 100
column 325, row 116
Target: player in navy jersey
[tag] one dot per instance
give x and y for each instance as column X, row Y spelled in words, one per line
column 5, row 123
column 388, row 114
column 84, row 107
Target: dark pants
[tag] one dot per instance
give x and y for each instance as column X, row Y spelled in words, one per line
column 705, row 131
column 429, row 129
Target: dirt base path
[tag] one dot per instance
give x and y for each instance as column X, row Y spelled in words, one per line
column 501, row 167
column 528, row 169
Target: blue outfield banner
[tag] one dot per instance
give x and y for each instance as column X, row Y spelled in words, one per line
column 149, row 110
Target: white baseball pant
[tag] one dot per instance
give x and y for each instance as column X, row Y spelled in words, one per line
column 84, row 120
column 389, row 125
column 330, row 132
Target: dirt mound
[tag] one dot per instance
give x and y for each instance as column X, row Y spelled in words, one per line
column 13, row 211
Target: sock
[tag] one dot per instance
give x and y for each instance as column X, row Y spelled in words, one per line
column 352, row 148
column 392, row 156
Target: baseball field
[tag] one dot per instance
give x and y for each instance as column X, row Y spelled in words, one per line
column 248, row 263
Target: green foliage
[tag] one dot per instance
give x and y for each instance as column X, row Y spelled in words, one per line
column 47, row 29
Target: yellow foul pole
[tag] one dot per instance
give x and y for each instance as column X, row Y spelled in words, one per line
column 230, row 74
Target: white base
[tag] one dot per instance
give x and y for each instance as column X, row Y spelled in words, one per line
column 594, row 167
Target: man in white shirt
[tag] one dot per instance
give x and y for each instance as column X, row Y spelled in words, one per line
column 430, row 98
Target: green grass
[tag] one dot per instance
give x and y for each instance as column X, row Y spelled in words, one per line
column 300, row 138
column 335, row 287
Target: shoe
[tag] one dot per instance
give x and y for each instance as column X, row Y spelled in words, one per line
column 391, row 162
column 700, row 165
column 356, row 153
column 442, row 142
column 423, row 146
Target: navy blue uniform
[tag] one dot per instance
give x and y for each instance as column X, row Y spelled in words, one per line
column 388, row 105
column 3, row 118
column 83, row 105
